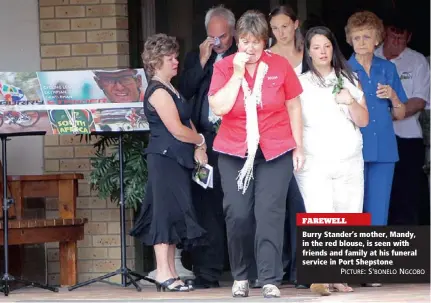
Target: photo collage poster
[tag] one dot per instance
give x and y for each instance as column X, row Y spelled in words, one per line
column 73, row 102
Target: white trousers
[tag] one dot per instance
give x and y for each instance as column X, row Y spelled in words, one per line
column 332, row 187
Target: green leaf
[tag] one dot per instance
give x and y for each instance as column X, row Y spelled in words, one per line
column 338, row 86
column 105, row 175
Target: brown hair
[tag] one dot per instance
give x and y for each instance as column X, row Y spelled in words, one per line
column 364, row 20
column 254, row 23
column 289, row 12
column 155, row 48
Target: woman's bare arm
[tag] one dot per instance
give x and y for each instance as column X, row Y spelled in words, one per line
column 222, row 102
column 359, row 112
column 168, row 113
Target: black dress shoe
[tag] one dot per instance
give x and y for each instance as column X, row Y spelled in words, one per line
column 285, row 281
column 301, row 286
column 254, row 283
column 201, row 283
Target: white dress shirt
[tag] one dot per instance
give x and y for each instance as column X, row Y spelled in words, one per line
column 414, row 72
column 211, row 116
column 298, row 69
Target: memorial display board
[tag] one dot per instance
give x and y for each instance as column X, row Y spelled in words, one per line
column 72, row 102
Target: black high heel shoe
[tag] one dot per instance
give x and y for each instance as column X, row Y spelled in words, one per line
column 187, row 283
column 164, row 286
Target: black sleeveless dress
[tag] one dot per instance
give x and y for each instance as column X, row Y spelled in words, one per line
column 167, row 215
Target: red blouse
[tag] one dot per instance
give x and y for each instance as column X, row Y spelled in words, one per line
column 279, row 85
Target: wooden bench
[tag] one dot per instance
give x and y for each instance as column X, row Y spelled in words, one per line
column 66, row 230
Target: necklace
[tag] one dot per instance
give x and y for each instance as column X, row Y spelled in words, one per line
column 167, row 84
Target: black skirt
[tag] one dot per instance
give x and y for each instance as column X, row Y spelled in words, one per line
column 167, row 215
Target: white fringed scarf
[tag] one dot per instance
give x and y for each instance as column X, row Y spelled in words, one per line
column 251, row 100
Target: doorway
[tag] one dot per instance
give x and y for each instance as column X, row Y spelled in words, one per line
column 185, row 20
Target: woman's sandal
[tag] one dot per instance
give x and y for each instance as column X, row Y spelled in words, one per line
column 341, row 287
column 164, row 286
column 321, row 289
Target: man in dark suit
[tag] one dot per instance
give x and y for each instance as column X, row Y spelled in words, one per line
column 208, row 261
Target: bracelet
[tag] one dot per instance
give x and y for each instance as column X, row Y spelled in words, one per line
column 397, row 106
column 203, row 141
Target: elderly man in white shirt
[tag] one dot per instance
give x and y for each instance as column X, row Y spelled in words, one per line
column 410, row 187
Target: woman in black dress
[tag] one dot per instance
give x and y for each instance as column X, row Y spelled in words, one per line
column 167, row 218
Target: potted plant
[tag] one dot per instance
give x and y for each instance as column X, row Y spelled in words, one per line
column 105, row 177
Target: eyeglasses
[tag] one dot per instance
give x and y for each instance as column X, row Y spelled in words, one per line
column 125, row 80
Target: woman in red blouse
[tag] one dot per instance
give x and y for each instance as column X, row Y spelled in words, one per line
column 260, row 143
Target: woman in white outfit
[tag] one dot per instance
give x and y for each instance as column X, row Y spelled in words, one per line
column 333, row 109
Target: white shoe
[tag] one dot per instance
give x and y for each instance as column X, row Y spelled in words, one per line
column 372, row 285
column 240, row 289
column 270, row 291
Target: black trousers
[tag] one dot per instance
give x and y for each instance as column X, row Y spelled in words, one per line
column 410, row 189
column 208, row 261
column 294, row 205
column 255, row 219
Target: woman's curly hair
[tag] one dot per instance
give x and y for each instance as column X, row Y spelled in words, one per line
column 155, row 48
column 364, row 20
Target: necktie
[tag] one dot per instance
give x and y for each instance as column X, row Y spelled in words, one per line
column 211, row 116
column 219, row 57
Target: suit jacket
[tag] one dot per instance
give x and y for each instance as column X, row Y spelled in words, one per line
column 194, row 84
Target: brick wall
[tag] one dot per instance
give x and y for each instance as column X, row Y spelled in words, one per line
column 84, row 34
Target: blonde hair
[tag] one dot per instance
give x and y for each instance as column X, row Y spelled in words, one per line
column 155, row 48
column 253, row 23
column 364, row 20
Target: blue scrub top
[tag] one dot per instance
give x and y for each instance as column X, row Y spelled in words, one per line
column 380, row 144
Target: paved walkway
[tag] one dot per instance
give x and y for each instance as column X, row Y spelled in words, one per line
column 411, row 293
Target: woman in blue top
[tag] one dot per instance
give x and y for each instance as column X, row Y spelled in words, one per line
column 385, row 97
